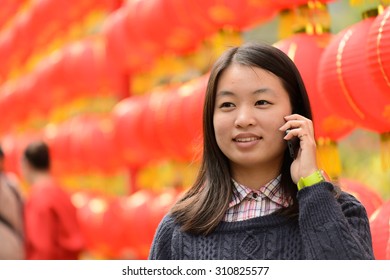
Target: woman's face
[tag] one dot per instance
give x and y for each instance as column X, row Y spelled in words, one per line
column 249, row 110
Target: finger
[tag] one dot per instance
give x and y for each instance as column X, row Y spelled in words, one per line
column 295, row 117
column 293, row 124
column 293, row 132
column 302, row 124
column 307, row 122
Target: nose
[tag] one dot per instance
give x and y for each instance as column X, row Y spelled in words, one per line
column 245, row 117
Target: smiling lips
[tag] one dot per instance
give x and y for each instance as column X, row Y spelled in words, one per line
column 246, row 139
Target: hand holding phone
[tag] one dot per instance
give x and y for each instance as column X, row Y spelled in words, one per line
column 293, row 145
column 299, row 131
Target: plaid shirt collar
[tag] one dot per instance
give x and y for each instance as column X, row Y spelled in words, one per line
column 272, row 190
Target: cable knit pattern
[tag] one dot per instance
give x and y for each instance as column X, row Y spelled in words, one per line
column 326, row 228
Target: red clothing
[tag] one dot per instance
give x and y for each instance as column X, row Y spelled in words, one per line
column 51, row 225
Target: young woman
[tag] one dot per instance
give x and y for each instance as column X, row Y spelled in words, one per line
column 252, row 199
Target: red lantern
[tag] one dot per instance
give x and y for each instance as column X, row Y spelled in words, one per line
column 380, row 232
column 170, row 36
column 240, row 15
column 180, row 117
column 13, row 152
column 306, row 50
column 76, row 155
column 344, row 81
column 14, row 99
column 142, row 18
column 161, row 206
column 79, row 69
column 153, row 114
column 127, row 118
column 172, row 130
column 9, row 107
column 196, row 27
column 100, row 152
column 141, row 213
column 136, row 217
column 59, row 141
column 9, row 9
column 370, row 198
column 192, row 95
column 23, row 29
column 7, row 52
column 122, row 43
column 91, row 147
column 45, row 18
column 165, row 124
column 91, row 209
column 43, row 88
column 134, row 41
column 114, row 231
column 378, row 51
column 87, row 70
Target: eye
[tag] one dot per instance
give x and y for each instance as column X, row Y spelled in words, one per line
column 226, row 105
column 262, row 102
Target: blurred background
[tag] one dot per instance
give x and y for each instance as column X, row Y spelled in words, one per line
column 116, row 88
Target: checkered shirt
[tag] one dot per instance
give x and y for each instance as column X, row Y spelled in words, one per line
column 248, row 203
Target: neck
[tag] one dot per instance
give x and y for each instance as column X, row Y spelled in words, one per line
column 254, row 177
column 40, row 177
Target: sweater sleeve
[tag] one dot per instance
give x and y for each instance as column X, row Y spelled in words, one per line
column 333, row 228
column 161, row 245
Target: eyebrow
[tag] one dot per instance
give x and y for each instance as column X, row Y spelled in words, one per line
column 229, row 93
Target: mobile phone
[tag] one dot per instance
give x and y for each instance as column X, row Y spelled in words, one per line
column 293, row 145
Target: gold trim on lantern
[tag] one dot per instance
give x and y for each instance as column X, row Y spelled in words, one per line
column 378, row 40
column 292, row 50
column 339, row 71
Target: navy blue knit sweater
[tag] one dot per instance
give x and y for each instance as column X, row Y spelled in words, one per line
column 326, row 228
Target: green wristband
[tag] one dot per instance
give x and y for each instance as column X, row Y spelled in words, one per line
column 310, row 180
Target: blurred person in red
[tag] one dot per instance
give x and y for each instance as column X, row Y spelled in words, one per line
column 11, row 215
column 51, row 224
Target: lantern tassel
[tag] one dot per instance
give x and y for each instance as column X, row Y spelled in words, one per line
column 385, row 150
column 329, row 158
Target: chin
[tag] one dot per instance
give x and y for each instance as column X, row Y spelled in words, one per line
column 247, row 162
